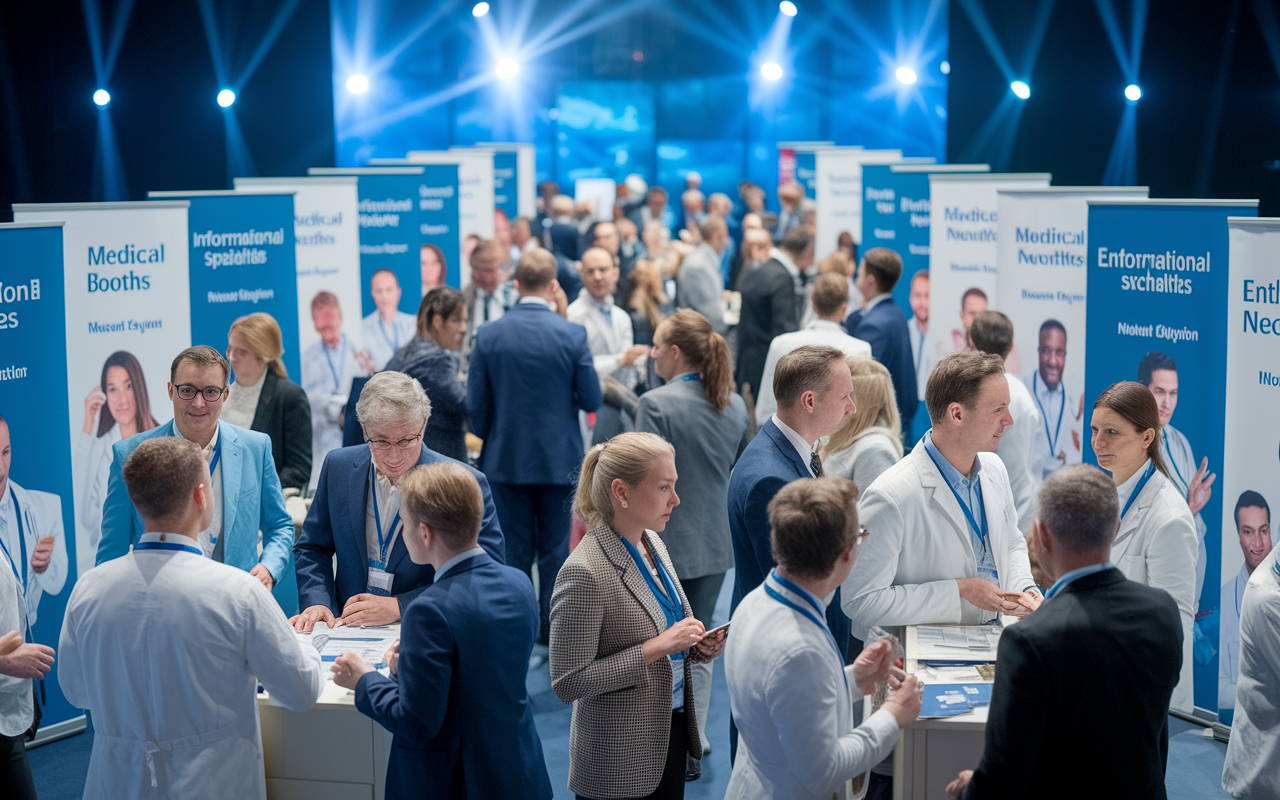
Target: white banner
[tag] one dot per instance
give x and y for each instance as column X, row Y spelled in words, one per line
column 962, row 254
column 128, row 314
column 1041, row 253
column 838, row 193
column 475, row 193
column 1250, row 481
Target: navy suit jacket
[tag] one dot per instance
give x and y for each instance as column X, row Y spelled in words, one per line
column 884, row 327
column 531, row 371
column 335, row 524
column 458, row 706
column 769, row 463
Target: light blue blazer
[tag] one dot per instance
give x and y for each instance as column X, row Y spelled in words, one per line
column 251, row 502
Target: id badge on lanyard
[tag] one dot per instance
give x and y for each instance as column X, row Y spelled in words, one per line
column 379, row 582
column 379, row 579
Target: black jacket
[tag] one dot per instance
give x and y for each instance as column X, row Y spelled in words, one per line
column 1080, row 706
column 284, row 415
column 768, row 310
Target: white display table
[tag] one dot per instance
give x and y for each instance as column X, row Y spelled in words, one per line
column 330, row 752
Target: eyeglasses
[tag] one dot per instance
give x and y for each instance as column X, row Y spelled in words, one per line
column 188, row 391
column 382, row 445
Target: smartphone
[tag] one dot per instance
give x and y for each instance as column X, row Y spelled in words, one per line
column 724, row 627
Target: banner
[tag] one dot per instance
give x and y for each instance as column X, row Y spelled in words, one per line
column 962, row 255
column 390, row 255
column 1042, row 247
column 1250, row 474
column 243, row 261
column 475, row 192
column 35, row 448
column 839, row 194
column 796, row 162
column 128, row 313
column 1157, row 313
column 330, row 339
column 515, row 176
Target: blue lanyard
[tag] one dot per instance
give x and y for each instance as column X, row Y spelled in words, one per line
column 342, row 354
column 22, row 546
column 815, row 618
column 168, row 546
column 1164, row 435
column 217, row 456
column 393, row 342
column 383, row 544
column 1057, row 431
column 1137, row 490
column 982, row 532
column 666, row 596
column 692, row 376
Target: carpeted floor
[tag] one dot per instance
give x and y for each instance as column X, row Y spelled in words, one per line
column 1194, row 773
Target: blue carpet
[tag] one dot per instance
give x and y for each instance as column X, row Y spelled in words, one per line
column 1194, row 773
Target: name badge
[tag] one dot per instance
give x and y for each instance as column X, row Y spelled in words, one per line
column 380, row 581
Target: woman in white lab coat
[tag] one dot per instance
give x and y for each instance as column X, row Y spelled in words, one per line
column 1157, row 542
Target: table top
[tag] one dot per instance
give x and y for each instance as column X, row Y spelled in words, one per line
column 976, row 718
column 333, row 697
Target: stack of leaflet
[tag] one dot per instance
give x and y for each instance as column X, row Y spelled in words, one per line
column 953, row 699
column 957, row 642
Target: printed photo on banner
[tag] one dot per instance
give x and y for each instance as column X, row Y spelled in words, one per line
column 388, row 328
column 328, row 367
column 1252, row 517
column 434, row 267
column 1060, row 439
column 972, row 303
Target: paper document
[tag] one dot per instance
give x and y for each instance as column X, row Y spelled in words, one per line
column 952, row 699
column 957, row 642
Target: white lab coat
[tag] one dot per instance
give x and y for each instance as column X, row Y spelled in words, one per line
column 1058, row 416
column 1252, row 768
column 326, row 378
column 91, row 466
column 1229, row 606
column 166, row 648
column 609, row 339
column 1182, row 466
column 815, row 332
column 1156, row 546
column 41, row 516
column 16, row 709
column 919, row 545
column 1018, row 452
column 796, row 733
column 382, row 339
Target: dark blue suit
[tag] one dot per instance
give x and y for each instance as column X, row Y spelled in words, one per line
column 531, row 372
column 884, row 327
column 458, row 706
column 335, row 524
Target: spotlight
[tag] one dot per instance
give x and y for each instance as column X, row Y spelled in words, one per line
column 357, row 84
column 1021, row 89
column 906, row 75
column 101, row 97
column 945, row 67
column 507, row 69
column 226, row 97
column 1133, row 93
column 480, row 9
column 787, row 7
column 770, row 71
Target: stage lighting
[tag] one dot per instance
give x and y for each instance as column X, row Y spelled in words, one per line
column 787, row 7
column 770, row 71
column 226, row 97
column 1021, row 89
column 480, row 9
column 357, row 84
column 945, row 67
column 101, row 97
column 1133, row 93
column 906, row 75
column 507, row 69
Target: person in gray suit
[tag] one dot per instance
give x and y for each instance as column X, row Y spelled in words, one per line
column 700, row 283
column 698, row 410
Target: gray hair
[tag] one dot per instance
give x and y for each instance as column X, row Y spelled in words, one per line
column 1080, row 507
column 393, row 398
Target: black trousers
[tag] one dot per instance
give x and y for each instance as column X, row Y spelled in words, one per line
column 15, row 772
column 671, row 787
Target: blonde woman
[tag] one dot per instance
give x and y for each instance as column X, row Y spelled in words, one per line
column 263, row 399
column 870, row 441
column 649, row 303
column 622, row 632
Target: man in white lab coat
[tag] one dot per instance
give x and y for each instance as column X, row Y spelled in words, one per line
column 946, row 546
column 166, row 648
column 1252, row 768
column 1253, row 525
column 30, row 534
column 328, row 367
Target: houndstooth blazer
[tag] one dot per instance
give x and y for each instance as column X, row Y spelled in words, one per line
column 602, row 611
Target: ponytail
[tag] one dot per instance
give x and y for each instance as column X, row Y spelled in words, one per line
column 628, row 457
column 705, row 351
column 584, row 506
column 277, row 366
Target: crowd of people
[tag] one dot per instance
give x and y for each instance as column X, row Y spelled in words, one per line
column 697, row 393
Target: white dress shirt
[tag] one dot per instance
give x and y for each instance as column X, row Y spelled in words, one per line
column 456, row 560
column 210, row 540
column 387, row 499
column 1252, row 768
column 382, row 339
column 1054, row 445
column 923, row 359
column 609, row 335
column 327, row 373
column 803, row 449
column 816, row 332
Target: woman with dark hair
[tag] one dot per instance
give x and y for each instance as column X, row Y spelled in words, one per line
column 1156, row 544
column 434, row 268
column 432, row 358
column 116, row 408
column 698, row 409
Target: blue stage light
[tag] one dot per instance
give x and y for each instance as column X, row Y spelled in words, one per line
column 1133, row 93
column 357, row 84
column 507, row 68
column 226, row 97
column 1021, row 89
column 905, row 75
column 480, row 9
column 101, row 97
column 945, row 67
column 787, row 7
column 770, row 71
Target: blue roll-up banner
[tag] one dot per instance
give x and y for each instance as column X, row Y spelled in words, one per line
column 520, row 186
column 35, row 445
column 390, row 255
column 505, row 195
column 1158, row 296
column 438, row 204
column 242, row 260
column 1250, row 482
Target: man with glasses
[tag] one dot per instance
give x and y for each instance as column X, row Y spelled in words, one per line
column 246, row 489
column 356, row 515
